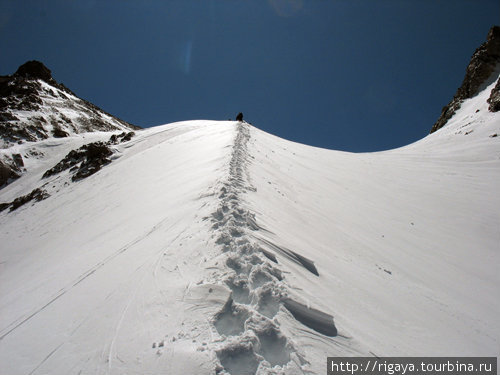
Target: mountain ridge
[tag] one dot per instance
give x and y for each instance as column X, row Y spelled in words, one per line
column 483, row 67
column 34, row 107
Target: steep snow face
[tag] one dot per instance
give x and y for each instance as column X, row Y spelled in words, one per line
column 405, row 242
column 106, row 268
column 214, row 247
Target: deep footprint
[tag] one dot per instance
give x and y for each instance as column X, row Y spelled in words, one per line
column 239, row 360
column 259, row 278
column 241, row 294
column 268, row 304
column 273, row 348
column 231, row 320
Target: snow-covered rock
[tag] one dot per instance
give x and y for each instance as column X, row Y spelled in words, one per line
column 34, row 107
column 483, row 69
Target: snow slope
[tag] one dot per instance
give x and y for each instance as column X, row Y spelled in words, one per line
column 215, row 247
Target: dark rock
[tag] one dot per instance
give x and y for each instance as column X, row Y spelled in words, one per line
column 18, row 160
column 20, row 94
column 127, row 137
column 239, row 117
column 90, row 157
column 34, row 70
column 6, row 116
column 37, row 195
column 7, row 173
column 478, row 75
column 96, row 157
column 11, row 169
column 113, row 140
column 72, row 158
column 119, row 138
column 482, row 65
column 57, row 132
column 494, row 98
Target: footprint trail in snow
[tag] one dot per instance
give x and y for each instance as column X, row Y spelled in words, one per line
column 252, row 341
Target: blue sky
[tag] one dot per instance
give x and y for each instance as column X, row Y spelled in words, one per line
column 355, row 75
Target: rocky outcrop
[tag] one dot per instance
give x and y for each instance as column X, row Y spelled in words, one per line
column 34, row 70
column 88, row 159
column 33, row 107
column 80, row 163
column 85, row 161
column 494, row 98
column 479, row 74
column 11, row 168
column 36, row 195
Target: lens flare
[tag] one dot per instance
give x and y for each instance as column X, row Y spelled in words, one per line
column 185, row 57
column 286, row 8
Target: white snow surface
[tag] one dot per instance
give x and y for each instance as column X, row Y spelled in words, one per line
column 156, row 264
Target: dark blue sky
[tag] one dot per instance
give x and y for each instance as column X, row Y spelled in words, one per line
column 355, row 75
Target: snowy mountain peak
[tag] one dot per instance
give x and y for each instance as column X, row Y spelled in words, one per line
column 483, row 69
column 34, row 107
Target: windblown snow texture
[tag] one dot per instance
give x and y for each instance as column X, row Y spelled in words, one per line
column 248, row 320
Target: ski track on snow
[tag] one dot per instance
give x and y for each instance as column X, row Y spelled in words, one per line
column 19, row 322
